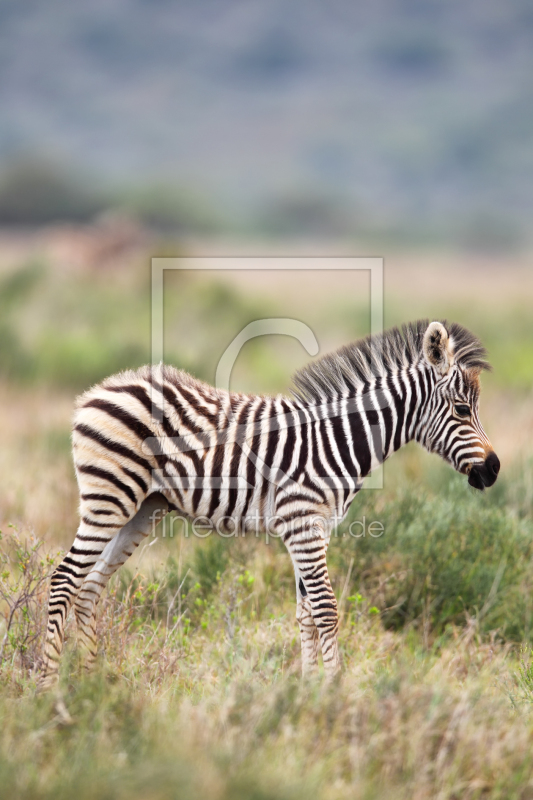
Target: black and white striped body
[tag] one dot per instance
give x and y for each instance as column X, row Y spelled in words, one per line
column 158, row 438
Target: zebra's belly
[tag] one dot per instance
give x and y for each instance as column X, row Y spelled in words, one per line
column 233, row 505
column 226, row 509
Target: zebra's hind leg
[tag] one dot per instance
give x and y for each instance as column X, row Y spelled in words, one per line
column 64, row 587
column 116, row 552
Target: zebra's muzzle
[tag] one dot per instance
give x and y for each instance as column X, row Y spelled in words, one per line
column 482, row 475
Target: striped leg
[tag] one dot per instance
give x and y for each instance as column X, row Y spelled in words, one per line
column 308, row 552
column 113, row 556
column 308, row 636
column 65, row 585
column 308, row 629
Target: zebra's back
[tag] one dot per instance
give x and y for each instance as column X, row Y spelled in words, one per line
column 213, row 454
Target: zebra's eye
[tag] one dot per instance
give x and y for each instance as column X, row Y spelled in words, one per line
column 462, row 410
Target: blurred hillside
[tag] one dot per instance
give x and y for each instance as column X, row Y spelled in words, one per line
column 398, row 118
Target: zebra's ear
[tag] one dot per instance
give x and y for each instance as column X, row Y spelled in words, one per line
column 437, row 347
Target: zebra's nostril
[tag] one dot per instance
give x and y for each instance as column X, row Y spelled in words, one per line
column 493, row 463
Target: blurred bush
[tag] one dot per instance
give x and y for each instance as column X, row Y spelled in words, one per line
column 35, row 192
column 444, row 557
column 168, row 209
column 15, row 288
column 42, row 333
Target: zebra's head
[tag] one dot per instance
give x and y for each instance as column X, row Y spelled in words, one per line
column 451, row 423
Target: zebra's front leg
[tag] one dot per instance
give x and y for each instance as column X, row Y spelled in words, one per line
column 308, row 636
column 113, row 556
column 317, row 605
column 308, row 629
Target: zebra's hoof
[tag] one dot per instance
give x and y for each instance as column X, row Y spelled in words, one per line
column 63, row 716
column 46, row 683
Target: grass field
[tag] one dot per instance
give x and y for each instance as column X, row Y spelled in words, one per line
column 197, row 690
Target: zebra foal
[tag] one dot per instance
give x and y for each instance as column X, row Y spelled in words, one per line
column 157, row 439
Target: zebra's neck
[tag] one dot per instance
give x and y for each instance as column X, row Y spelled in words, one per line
column 366, row 425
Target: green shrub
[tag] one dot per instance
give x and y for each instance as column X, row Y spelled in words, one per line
column 442, row 558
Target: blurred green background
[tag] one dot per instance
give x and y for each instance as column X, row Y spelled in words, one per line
column 70, row 328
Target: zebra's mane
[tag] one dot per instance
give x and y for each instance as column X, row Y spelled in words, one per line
column 360, row 362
